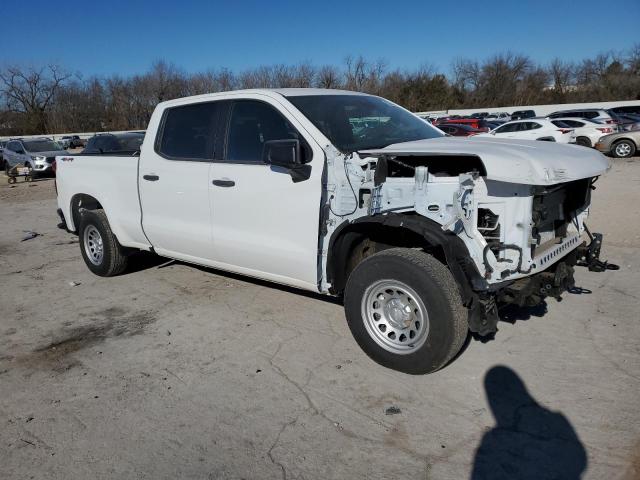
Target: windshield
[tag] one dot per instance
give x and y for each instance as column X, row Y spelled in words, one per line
column 359, row 122
column 41, row 146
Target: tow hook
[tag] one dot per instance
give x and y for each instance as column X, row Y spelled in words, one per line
column 589, row 255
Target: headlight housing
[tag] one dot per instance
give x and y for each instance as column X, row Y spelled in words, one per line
column 38, row 158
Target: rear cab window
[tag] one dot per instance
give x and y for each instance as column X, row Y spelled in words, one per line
column 188, row 132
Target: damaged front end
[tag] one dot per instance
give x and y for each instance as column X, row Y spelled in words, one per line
column 504, row 242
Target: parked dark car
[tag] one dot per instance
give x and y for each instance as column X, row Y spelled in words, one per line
column 629, row 122
column 459, row 130
column 522, row 114
column 633, row 109
column 114, row 144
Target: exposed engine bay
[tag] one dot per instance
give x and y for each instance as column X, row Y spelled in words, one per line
column 522, row 240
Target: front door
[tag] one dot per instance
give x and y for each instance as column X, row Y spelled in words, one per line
column 265, row 224
column 174, row 182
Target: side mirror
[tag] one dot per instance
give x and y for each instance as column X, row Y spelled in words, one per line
column 282, row 153
column 286, row 154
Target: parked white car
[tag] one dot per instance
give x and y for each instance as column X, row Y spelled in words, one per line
column 598, row 115
column 348, row 194
column 531, row 129
column 501, row 116
column 585, row 132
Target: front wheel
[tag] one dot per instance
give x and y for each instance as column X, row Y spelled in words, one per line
column 404, row 310
column 100, row 248
column 623, row 149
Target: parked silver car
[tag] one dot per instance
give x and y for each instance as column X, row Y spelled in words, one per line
column 620, row 145
column 37, row 153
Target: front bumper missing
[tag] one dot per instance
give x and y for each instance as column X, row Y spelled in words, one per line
column 531, row 291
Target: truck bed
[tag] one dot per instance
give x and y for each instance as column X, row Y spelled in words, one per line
column 113, row 180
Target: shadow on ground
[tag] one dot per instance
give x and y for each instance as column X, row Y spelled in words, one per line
column 528, row 440
column 140, row 261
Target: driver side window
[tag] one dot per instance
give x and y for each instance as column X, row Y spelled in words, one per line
column 253, row 123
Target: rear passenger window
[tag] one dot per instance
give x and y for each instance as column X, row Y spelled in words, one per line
column 252, row 123
column 188, row 132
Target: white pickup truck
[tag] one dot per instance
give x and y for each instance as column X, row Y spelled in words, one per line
column 344, row 194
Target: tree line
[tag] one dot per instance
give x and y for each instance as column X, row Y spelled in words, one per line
column 48, row 99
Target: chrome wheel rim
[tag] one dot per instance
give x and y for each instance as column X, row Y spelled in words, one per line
column 93, row 245
column 395, row 316
column 623, row 149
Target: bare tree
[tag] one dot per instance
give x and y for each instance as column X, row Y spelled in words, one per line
column 362, row 75
column 562, row 76
column 30, row 91
column 328, row 77
column 466, row 74
column 46, row 99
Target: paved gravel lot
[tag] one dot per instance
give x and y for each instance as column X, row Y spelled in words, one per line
column 173, row 371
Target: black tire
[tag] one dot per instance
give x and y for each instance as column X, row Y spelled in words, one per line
column 583, row 141
column 113, row 260
column 435, row 288
column 623, row 149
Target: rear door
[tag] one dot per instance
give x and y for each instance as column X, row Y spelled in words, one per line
column 174, row 182
column 265, row 224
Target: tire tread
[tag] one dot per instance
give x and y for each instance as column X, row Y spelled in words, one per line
column 441, row 275
column 114, row 253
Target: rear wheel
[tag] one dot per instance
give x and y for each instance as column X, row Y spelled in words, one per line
column 584, row 141
column 623, row 149
column 404, row 310
column 100, row 248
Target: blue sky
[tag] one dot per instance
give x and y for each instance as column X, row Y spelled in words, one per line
column 104, row 38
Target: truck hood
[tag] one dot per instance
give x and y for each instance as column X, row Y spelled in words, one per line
column 530, row 162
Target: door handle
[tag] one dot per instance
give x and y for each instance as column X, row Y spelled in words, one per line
column 223, row 183
column 151, row 178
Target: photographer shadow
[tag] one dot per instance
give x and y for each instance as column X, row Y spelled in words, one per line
column 528, row 440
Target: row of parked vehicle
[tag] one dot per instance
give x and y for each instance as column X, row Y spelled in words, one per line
column 39, row 154
column 613, row 131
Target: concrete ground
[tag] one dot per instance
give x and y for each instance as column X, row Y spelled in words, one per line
column 173, row 371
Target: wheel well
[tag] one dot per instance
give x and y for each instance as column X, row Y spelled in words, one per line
column 353, row 242
column 79, row 201
column 618, row 140
column 583, row 138
column 360, row 241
